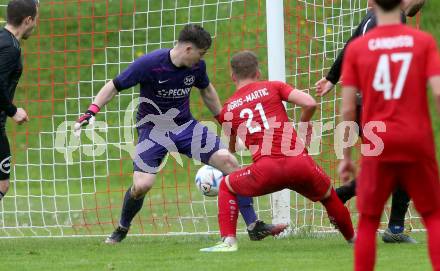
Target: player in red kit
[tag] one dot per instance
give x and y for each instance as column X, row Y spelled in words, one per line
column 391, row 65
column 256, row 114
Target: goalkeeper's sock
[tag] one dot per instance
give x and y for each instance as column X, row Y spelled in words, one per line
column 245, row 204
column 399, row 206
column 365, row 244
column 2, row 195
column 347, row 191
column 339, row 215
column 130, row 208
column 227, row 211
column 432, row 223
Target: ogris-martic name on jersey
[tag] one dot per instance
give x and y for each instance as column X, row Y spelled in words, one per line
column 248, row 98
column 174, row 92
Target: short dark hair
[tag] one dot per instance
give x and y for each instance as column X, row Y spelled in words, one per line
column 18, row 10
column 196, row 35
column 244, row 64
column 388, row 5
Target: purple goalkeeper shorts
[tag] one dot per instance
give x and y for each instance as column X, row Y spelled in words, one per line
column 192, row 139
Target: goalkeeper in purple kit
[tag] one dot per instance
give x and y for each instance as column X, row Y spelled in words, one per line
column 165, row 123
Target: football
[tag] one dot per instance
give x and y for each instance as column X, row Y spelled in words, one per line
column 208, row 180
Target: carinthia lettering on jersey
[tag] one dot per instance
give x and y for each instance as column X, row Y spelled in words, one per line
column 174, row 92
column 388, row 43
column 256, row 94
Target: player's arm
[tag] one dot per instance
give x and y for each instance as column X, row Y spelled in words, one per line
column 433, row 71
column 8, row 59
column 104, row 96
column 346, row 167
column 128, row 78
column 434, row 83
column 211, row 99
column 308, row 107
column 327, row 83
column 305, row 101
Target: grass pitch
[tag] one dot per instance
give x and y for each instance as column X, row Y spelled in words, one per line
column 330, row 253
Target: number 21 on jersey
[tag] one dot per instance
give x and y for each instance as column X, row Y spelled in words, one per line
column 246, row 112
column 382, row 76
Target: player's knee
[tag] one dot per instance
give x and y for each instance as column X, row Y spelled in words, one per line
column 142, row 183
column 329, row 193
column 224, row 161
column 4, row 186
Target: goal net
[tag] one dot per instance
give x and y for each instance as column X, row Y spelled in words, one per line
column 62, row 185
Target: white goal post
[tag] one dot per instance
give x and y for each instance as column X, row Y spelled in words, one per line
column 277, row 71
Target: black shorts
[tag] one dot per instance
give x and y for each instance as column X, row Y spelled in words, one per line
column 5, row 156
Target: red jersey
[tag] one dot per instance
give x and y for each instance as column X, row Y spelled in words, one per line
column 390, row 65
column 257, row 115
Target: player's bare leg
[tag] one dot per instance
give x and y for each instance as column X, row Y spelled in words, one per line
column 224, row 161
column 133, row 201
column 4, row 187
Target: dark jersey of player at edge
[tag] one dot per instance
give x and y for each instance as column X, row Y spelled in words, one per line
column 10, row 71
column 369, row 22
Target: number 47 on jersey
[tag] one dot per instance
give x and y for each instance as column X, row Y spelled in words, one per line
column 382, row 76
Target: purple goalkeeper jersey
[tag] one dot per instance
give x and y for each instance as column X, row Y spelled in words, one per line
column 163, row 84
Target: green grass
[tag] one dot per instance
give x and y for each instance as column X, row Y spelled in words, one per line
column 181, row 253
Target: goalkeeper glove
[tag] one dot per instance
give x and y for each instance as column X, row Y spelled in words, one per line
column 87, row 118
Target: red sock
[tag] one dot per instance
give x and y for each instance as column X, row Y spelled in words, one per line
column 227, row 211
column 339, row 215
column 432, row 223
column 365, row 244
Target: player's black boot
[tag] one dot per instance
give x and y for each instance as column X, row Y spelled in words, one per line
column 389, row 237
column 117, row 236
column 260, row 230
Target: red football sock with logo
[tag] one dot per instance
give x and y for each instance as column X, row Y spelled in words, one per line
column 227, row 211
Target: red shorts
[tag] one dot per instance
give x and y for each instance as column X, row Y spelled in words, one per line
column 378, row 179
column 270, row 174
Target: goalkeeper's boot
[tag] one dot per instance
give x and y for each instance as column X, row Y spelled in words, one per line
column 389, row 237
column 260, row 230
column 117, row 236
column 221, row 247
